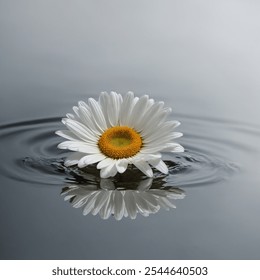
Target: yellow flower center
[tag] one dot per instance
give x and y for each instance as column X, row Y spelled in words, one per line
column 120, row 142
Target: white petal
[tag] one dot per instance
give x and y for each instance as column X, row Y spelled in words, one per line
column 150, row 103
column 163, row 130
column 71, row 145
column 159, row 142
column 98, row 115
column 113, row 171
column 176, row 124
column 150, row 150
column 159, row 165
column 160, row 146
column 173, row 147
column 87, row 119
column 113, row 108
column 138, row 111
column 76, row 111
column 146, row 157
column 83, row 104
column 126, row 108
column 144, row 167
column 73, row 158
column 108, row 171
column 106, row 162
column 67, row 134
column 121, row 165
column 81, row 131
column 154, row 122
column 151, row 112
column 90, row 159
column 175, row 135
column 72, row 117
column 78, row 146
column 103, row 102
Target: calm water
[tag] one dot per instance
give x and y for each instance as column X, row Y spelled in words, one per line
column 201, row 59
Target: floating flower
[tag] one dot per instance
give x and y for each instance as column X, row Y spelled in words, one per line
column 116, row 131
column 108, row 201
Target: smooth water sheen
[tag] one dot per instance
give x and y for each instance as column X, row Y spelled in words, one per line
column 57, row 54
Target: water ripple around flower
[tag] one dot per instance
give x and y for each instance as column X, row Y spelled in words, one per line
column 111, row 200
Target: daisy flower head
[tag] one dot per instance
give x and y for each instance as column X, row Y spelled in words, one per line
column 116, row 131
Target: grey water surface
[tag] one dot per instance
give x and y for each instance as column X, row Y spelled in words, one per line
column 201, row 58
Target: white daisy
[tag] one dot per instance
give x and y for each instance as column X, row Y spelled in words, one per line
column 116, row 131
column 109, row 201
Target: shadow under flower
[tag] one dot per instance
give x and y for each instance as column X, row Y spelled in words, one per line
column 110, row 198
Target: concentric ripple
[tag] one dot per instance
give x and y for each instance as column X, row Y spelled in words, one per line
column 30, row 154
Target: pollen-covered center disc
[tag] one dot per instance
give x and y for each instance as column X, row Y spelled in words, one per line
column 120, row 142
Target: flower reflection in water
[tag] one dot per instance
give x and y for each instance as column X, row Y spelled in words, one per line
column 110, row 199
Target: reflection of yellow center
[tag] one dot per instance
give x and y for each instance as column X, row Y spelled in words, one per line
column 120, row 142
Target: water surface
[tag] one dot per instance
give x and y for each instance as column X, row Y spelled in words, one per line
column 202, row 60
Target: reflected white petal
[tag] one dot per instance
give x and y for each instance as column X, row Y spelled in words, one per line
column 121, row 203
column 130, row 204
column 100, row 200
column 90, row 203
column 107, row 209
column 118, row 205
